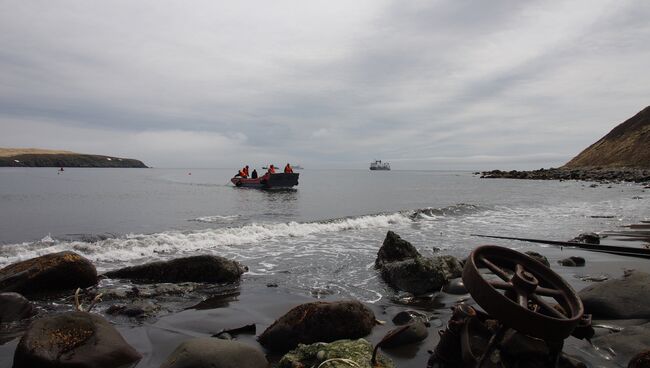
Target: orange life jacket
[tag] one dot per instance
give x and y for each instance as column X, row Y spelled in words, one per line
column 271, row 169
column 288, row 169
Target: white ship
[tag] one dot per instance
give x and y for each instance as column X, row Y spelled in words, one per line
column 378, row 165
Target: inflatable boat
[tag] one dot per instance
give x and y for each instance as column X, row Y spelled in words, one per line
column 268, row 181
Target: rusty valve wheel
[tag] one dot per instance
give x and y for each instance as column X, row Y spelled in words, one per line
column 524, row 282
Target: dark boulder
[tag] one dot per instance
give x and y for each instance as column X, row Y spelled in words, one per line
column 586, row 238
column 409, row 316
column 15, row 307
column 405, row 335
column 318, row 322
column 49, row 273
column 627, row 343
column 538, row 257
column 455, row 286
column 395, row 249
column 73, row 339
column 203, row 268
column 572, row 261
column 420, row 275
column 624, row 298
column 641, row 360
column 209, row 352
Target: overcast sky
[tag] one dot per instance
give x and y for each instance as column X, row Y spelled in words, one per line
column 333, row 84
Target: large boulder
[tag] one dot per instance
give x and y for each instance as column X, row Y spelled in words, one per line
column 338, row 354
column 395, row 249
column 624, row 298
column 203, row 268
column 49, row 273
column 420, row 275
column 14, row 307
column 73, row 339
column 318, row 322
column 208, row 352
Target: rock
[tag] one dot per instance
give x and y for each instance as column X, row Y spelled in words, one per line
column 586, row 238
column 318, row 322
column 538, row 257
column 394, row 249
column 209, row 352
column 455, row 287
column 572, row 261
column 409, row 316
column 15, row 307
column 624, row 298
column 73, row 339
column 411, row 333
column 139, row 309
column 641, row 360
column 626, row 343
column 420, row 275
column 203, row 268
column 49, row 273
column 359, row 351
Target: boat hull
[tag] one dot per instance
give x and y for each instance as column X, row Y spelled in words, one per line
column 272, row 181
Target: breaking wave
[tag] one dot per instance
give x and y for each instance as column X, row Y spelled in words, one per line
column 230, row 241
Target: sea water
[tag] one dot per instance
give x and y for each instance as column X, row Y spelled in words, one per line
column 322, row 236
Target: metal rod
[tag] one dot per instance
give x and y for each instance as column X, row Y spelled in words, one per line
column 613, row 249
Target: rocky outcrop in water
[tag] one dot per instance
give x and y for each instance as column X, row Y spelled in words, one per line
column 210, row 352
column 74, row 339
column 404, row 268
column 318, row 322
column 203, row 268
column 49, row 273
column 15, row 307
column 594, row 174
column 47, row 158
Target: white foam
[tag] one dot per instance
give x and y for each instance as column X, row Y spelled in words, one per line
column 216, row 219
column 133, row 248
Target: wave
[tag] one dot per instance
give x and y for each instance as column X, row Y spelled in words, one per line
column 216, row 219
column 455, row 210
column 132, row 248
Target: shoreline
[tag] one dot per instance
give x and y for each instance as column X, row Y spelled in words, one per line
column 603, row 175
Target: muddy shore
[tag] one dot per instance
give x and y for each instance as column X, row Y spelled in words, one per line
column 259, row 300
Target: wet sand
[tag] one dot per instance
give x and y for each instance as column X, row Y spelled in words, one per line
column 258, row 304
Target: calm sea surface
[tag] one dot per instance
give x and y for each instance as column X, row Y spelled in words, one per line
column 324, row 234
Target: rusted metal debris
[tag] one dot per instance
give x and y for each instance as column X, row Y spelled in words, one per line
column 611, row 249
column 528, row 308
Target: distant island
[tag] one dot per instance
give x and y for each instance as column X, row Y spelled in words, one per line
column 33, row 157
column 621, row 155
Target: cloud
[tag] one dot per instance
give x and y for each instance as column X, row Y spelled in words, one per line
column 333, row 84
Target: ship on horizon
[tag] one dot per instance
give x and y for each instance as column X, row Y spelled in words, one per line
column 378, row 165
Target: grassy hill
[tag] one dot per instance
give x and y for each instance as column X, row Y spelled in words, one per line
column 32, row 157
column 627, row 145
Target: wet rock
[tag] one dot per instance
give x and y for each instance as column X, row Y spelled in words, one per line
column 409, row 316
column 455, row 287
column 405, row 335
column 15, row 307
column 572, row 261
column 538, row 257
column 586, row 238
column 203, row 268
column 420, row 275
column 209, row 352
column 49, row 273
column 626, row 344
column 358, row 351
column 394, row 249
column 318, row 321
column 624, row 298
column 139, row 309
column 641, row 360
column 518, row 345
column 74, row 339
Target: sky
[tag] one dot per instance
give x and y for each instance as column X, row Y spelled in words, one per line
column 432, row 85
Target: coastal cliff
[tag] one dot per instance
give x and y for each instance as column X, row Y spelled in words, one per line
column 621, row 155
column 30, row 157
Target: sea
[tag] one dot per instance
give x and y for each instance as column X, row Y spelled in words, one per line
column 318, row 240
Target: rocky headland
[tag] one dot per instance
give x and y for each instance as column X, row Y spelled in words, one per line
column 621, row 155
column 31, row 157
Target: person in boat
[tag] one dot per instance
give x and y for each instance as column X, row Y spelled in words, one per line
column 288, row 169
column 271, row 169
column 243, row 173
column 254, row 174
